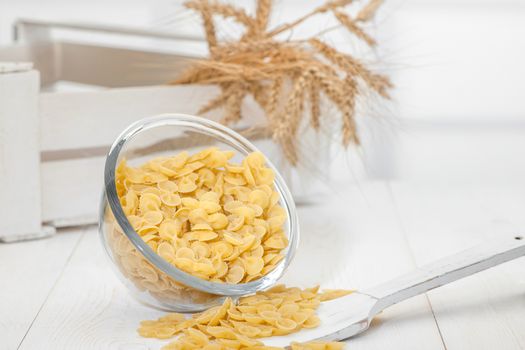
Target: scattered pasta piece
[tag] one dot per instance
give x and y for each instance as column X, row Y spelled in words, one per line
column 318, row 346
column 278, row 311
column 330, row 294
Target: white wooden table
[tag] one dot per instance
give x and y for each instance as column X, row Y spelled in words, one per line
column 60, row 293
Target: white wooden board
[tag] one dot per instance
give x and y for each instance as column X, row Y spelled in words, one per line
column 89, row 309
column 19, row 154
column 354, row 240
column 485, row 311
column 363, row 235
column 29, row 272
column 83, row 120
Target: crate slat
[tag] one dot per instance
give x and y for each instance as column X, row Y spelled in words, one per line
column 20, row 196
column 84, row 120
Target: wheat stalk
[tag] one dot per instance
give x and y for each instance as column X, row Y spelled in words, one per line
column 283, row 75
column 225, row 10
column 315, row 104
column 262, row 14
column 331, row 5
column 273, row 101
column 217, row 101
column 346, row 21
column 368, row 12
column 207, row 20
column 349, row 128
column 378, row 83
column 233, row 103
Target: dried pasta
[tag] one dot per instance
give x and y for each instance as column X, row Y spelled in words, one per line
column 212, row 218
column 278, row 311
column 221, row 222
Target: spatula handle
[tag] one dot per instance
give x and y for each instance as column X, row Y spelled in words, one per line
column 446, row 270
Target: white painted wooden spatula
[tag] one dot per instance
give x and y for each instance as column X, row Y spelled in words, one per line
column 345, row 317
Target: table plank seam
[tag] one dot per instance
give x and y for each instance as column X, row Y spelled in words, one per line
column 435, row 321
column 402, row 227
column 53, row 287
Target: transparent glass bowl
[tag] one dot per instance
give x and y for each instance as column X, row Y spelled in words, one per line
column 149, row 277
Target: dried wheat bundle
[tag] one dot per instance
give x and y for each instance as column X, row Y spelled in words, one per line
column 299, row 73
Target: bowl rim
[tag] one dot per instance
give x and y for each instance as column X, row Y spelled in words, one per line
column 233, row 139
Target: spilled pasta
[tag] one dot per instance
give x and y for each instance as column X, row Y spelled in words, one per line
column 278, row 311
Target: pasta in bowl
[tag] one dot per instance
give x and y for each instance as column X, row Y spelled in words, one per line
column 193, row 213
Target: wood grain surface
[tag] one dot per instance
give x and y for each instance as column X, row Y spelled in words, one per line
column 62, row 293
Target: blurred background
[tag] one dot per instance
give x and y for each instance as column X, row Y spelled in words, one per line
column 459, row 104
column 457, row 115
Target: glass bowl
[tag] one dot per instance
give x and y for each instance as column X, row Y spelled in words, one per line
column 149, row 277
